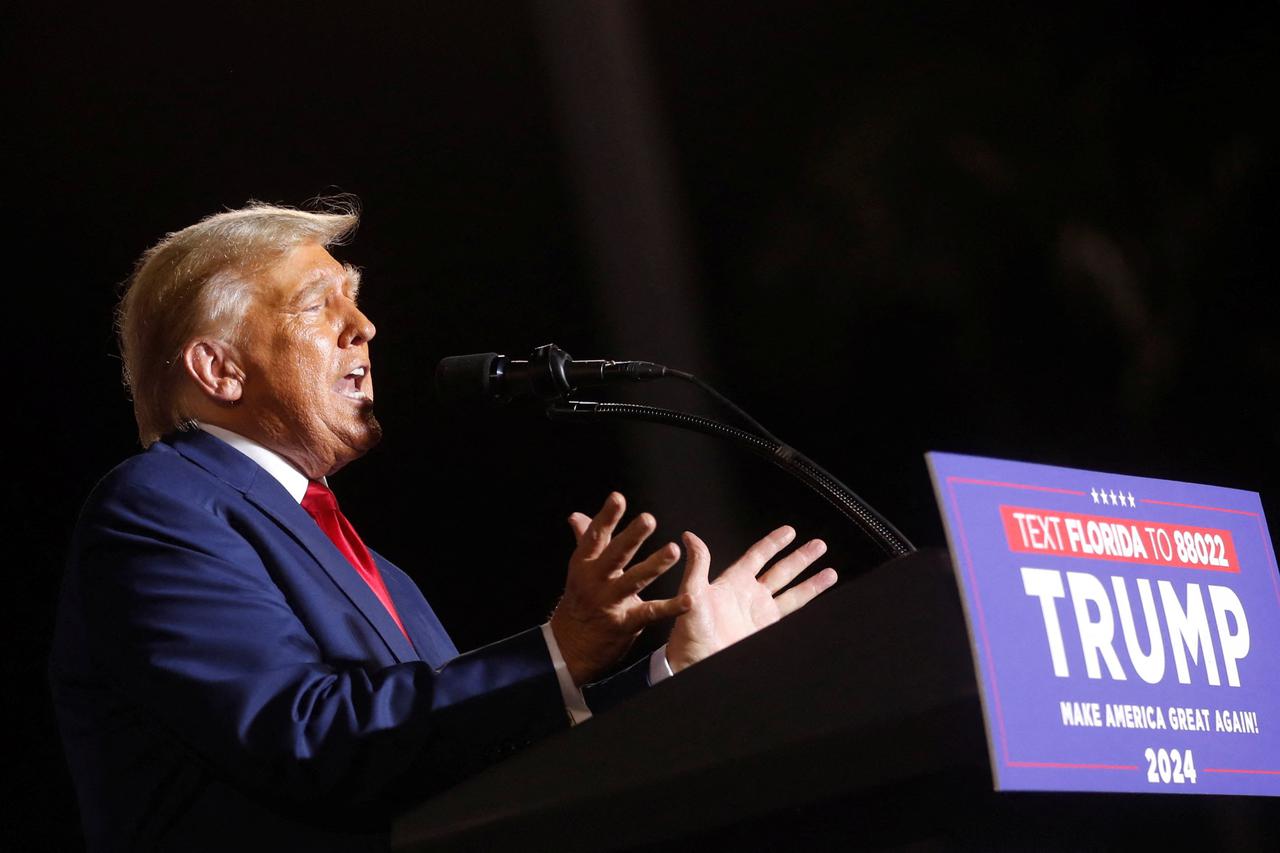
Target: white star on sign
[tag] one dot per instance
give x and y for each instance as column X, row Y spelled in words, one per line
column 1094, row 492
column 1131, row 503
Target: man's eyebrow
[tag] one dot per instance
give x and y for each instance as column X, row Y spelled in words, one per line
column 324, row 280
column 353, row 280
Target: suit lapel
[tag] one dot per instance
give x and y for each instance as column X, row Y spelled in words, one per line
column 266, row 493
column 430, row 639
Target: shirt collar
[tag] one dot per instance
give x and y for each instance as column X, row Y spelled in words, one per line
column 293, row 480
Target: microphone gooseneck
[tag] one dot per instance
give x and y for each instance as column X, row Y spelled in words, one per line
column 550, row 375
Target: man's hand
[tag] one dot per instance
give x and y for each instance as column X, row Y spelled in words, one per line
column 601, row 613
column 739, row 603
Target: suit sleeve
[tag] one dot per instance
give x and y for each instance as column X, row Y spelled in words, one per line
column 604, row 694
column 180, row 610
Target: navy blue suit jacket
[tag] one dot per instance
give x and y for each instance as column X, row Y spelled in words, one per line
column 225, row 680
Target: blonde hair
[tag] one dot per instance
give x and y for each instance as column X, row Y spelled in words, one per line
column 198, row 281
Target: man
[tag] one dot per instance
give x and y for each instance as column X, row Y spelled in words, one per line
column 232, row 667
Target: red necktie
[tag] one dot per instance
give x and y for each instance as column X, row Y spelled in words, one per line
column 321, row 505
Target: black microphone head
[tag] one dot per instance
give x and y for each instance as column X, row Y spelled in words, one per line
column 466, row 380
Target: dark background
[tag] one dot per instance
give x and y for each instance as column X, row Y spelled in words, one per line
column 882, row 229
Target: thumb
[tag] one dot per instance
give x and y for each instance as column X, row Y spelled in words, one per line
column 697, row 563
column 652, row 611
column 578, row 524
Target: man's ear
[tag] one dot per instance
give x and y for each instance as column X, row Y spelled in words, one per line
column 215, row 369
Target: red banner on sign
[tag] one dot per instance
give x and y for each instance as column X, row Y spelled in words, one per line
column 1122, row 540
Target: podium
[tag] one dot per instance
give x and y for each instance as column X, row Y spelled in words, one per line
column 855, row 722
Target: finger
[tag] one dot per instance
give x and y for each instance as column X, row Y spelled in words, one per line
column 762, row 552
column 600, row 531
column 624, row 546
column 648, row 612
column 644, row 573
column 578, row 523
column 697, row 564
column 801, row 594
column 783, row 572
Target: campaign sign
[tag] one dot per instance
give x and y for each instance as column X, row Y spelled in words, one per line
column 1126, row 631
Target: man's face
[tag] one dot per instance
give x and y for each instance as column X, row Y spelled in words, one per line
column 308, row 387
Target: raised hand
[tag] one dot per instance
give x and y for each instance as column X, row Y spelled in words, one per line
column 742, row 600
column 601, row 612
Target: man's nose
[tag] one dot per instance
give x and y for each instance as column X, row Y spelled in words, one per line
column 359, row 329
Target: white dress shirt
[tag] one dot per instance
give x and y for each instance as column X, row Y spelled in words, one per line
column 295, row 483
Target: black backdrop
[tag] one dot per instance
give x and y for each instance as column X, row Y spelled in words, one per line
column 1022, row 233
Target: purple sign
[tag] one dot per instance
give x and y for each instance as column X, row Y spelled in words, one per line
column 1126, row 631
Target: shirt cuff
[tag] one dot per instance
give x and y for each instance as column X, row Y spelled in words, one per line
column 574, row 703
column 659, row 669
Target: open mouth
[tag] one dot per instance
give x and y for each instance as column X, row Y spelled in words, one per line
column 353, row 384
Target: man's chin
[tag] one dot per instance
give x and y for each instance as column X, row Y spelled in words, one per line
column 357, row 438
column 364, row 432
column 372, row 429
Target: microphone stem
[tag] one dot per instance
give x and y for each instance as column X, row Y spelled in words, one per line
column 726, row 402
column 876, row 527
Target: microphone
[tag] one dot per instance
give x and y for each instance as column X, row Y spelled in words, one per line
column 550, row 373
